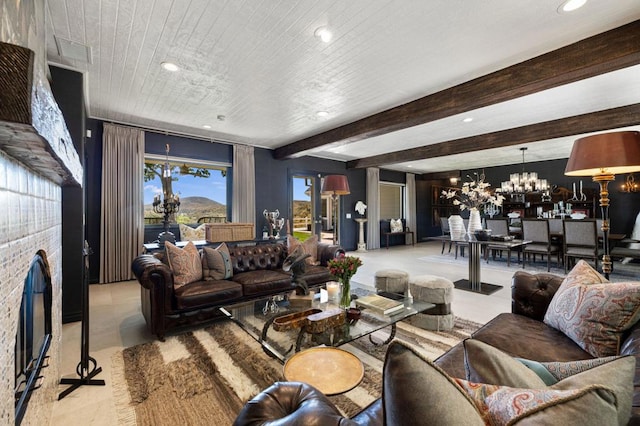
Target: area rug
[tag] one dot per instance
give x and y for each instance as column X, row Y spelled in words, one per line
column 206, row 376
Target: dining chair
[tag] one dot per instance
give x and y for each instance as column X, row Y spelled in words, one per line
column 537, row 231
column 580, row 241
column 444, row 226
column 556, row 230
column 498, row 227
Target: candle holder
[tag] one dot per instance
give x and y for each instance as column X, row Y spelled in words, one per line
column 167, row 207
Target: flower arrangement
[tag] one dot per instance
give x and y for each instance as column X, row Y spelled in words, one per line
column 474, row 194
column 343, row 268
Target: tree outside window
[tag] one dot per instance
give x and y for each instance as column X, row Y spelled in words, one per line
column 202, row 187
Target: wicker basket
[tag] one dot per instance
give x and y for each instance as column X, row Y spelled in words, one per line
column 220, row 232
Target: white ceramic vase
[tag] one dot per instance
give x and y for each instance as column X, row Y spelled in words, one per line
column 456, row 226
column 475, row 223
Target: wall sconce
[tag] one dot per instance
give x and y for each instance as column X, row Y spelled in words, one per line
column 630, row 184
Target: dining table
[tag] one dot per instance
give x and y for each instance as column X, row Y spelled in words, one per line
column 474, row 282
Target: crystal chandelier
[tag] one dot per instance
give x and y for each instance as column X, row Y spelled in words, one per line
column 520, row 183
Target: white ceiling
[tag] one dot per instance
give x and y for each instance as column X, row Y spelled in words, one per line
column 258, row 64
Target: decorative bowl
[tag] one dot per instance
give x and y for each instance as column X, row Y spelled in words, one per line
column 353, row 313
column 483, row 234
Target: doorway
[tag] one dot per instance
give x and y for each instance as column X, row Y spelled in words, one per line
column 310, row 210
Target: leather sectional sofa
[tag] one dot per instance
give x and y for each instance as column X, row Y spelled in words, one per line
column 521, row 333
column 257, row 272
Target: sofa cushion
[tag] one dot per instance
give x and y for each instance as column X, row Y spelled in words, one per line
column 206, row 293
column 188, row 233
column 216, row 263
column 184, row 263
column 487, row 364
column 309, row 246
column 265, row 281
column 416, row 391
column 593, row 312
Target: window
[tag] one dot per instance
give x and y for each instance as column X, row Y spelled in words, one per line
column 391, row 200
column 201, row 185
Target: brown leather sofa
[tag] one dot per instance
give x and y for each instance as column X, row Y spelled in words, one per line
column 520, row 333
column 257, row 272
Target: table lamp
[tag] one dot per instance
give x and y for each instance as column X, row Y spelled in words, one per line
column 335, row 185
column 603, row 156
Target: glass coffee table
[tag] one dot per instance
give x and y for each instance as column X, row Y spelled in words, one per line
column 282, row 341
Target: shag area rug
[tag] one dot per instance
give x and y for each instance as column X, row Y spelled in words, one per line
column 205, row 377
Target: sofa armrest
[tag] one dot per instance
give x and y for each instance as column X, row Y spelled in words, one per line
column 532, row 293
column 326, row 252
column 145, row 266
column 290, row 403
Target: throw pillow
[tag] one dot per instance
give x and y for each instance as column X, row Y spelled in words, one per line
column 216, row 263
column 396, row 225
column 309, row 246
column 415, row 389
column 184, row 263
column 188, row 233
column 592, row 311
column 487, row 364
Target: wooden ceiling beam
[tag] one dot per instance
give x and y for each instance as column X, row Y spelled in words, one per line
column 585, row 123
column 609, row 51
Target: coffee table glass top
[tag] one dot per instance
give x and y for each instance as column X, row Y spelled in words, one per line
column 257, row 318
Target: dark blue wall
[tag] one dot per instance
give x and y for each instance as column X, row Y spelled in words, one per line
column 272, row 181
column 67, row 88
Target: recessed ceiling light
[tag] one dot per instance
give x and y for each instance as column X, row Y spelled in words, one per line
column 206, row 126
column 571, row 5
column 170, row 66
column 468, row 120
column 409, row 166
column 322, row 113
column 323, row 34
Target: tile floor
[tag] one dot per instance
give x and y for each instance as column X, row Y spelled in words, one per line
column 116, row 323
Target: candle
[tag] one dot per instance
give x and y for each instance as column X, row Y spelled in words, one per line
column 333, row 290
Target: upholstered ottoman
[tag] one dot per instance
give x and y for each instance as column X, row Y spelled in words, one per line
column 436, row 290
column 392, row 281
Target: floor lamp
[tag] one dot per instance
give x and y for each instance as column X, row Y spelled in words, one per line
column 335, row 185
column 602, row 157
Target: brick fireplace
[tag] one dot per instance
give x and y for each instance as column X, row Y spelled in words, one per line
column 37, row 159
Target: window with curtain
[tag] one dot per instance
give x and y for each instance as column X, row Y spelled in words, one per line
column 391, row 200
column 201, row 185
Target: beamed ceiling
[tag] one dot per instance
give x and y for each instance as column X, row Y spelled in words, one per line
column 395, row 82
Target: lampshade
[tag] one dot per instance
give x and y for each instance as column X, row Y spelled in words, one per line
column 614, row 153
column 335, row 184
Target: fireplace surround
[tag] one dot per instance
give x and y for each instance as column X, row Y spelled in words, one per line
column 37, row 159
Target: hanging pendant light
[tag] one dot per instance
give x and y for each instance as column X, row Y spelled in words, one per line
column 525, row 182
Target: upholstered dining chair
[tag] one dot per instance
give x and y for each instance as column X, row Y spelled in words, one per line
column 580, row 240
column 444, row 226
column 537, row 231
column 498, row 227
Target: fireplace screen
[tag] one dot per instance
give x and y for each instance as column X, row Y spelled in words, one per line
column 34, row 332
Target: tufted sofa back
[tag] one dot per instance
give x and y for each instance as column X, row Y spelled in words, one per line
column 258, row 257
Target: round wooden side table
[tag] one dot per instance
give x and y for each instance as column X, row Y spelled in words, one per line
column 330, row 370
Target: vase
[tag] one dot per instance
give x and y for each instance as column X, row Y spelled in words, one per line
column 456, row 226
column 475, row 223
column 345, row 293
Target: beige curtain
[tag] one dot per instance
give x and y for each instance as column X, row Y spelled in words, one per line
column 243, row 209
column 373, row 208
column 122, row 214
column 410, row 214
